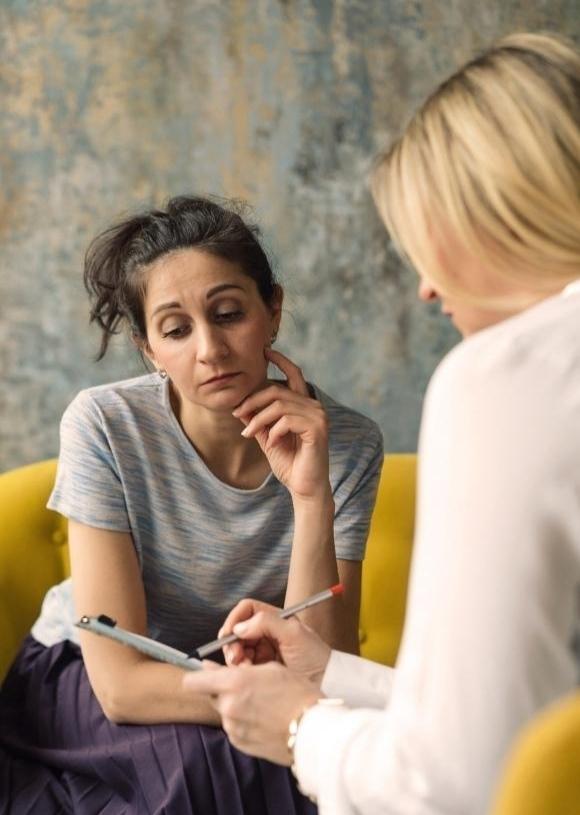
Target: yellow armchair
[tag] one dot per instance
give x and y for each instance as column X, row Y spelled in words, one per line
column 387, row 561
column 542, row 773
column 33, row 551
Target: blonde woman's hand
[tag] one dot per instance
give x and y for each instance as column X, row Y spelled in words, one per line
column 256, row 704
column 292, row 430
column 266, row 637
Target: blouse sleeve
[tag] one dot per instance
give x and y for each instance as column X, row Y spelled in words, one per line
column 358, row 682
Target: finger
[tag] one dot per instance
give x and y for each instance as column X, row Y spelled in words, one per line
column 210, row 665
column 262, row 398
column 208, row 682
column 234, row 653
column 283, row 427
column 237, row 653
column 243, row 611
column 271, row 414
column 266, row 624
column 291, row 371
column 308, row 432
column 265, row 651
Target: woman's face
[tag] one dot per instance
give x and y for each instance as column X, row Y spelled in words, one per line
column 473, row 276
column 207, row 326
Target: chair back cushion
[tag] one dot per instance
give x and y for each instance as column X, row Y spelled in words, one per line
column 542, row 773
column 33, row 551
column 387, row 561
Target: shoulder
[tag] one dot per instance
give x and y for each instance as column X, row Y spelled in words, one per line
column 139, row 390
column 348, row 426
column 538, row 344
column 512, row 383
column 114, row 407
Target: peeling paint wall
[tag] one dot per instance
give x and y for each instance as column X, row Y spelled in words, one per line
column 107, row 106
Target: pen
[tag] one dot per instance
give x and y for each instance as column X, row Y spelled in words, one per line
column 215, row 645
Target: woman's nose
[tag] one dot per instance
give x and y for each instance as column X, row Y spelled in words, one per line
column 426, row 292
column 210, row 344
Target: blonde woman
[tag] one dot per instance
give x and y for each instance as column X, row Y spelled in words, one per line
column 482, row 194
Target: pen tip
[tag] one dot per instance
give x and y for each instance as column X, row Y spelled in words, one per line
column 338, row 589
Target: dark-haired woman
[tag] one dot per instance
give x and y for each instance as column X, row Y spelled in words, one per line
column 185, row 489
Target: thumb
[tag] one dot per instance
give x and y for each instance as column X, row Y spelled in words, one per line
column 265, row 624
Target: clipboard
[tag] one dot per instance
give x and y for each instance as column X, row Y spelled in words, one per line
column 105, row 626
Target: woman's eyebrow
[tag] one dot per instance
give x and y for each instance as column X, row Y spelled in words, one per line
column 210, row 293
column 164, row 307
column 222, row 287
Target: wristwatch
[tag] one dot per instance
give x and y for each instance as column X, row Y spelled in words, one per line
column 293, row 734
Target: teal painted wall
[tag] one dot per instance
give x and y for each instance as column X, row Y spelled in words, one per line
column 106, row 105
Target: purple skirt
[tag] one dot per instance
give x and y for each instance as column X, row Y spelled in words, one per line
column 59, row 754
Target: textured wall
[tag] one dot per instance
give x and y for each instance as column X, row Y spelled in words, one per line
column 108, row 105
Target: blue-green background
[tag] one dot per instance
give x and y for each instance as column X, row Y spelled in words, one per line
column 107, row 105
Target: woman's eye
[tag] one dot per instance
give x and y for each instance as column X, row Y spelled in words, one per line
column 228, row 316
column 176, row 333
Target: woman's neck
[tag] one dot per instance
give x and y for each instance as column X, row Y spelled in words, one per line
column 217, row 438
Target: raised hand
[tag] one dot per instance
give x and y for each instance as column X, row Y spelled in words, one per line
column 291, row 429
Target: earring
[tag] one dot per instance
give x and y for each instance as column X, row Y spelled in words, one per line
column 274, row 336
column 162, row 373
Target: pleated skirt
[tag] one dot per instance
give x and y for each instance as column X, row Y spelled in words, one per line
column 59, row 754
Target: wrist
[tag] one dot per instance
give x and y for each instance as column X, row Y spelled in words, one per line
column 321, row 502
column 317, row 676
column 293, row 730
column 293, row 726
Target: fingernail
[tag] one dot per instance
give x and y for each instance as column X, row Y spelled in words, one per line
column 240, row 628
column 245, row 432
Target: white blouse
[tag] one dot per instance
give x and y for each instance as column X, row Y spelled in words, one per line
column 493, row 607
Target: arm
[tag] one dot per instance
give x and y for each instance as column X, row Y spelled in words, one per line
column 292, row 430
column 314, row 567
column 107, row 577
column 356, row 474
column 130, row 687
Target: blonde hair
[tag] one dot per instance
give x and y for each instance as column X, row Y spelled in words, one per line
column 493, row 157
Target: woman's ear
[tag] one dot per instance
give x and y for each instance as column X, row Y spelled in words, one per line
column 276, row 308
column 144, row 348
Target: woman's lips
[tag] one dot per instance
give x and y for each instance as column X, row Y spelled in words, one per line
column 216, row 380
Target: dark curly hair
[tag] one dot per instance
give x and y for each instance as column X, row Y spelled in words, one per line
column 117, row 259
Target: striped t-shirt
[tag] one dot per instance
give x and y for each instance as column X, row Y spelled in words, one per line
column 126, row 465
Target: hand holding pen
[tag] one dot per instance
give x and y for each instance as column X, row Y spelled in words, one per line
column 264, row 634
column 290, row 611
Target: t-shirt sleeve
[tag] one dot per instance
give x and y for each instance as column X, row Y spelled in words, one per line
column 88, row 488
column 355, row 491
